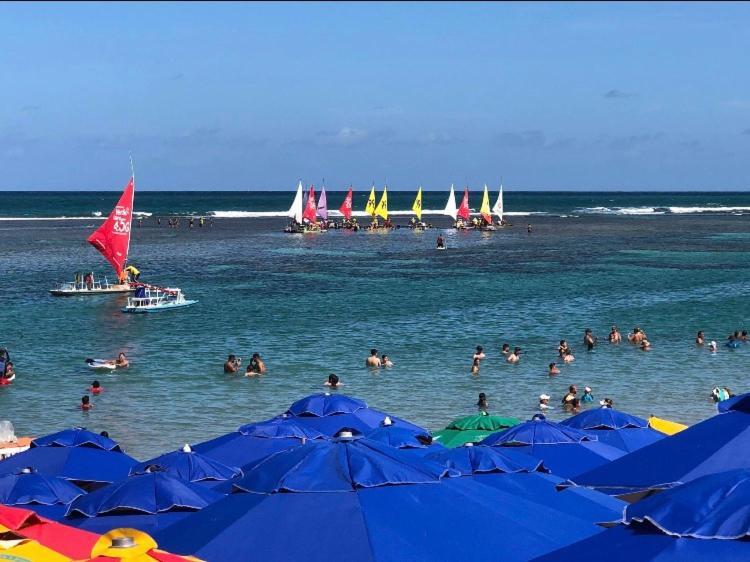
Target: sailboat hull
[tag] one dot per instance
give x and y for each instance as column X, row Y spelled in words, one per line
column 78, row 291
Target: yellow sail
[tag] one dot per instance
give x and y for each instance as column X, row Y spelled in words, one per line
column 370, row 207
column 417, row 207
column 484, row 210
column 382, row 209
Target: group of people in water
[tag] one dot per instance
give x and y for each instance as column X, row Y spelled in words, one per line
column 734, row 340
column 255, row 367
column 121, row 362
column 174, row 222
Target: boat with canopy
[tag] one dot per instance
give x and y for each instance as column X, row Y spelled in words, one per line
column 149, row 298
column 112, row 239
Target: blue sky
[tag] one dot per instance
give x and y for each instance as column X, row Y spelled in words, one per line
column 254, row 96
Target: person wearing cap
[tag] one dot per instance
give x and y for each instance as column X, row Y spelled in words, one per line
column 544, row 402
column 514, row 357
column 712, row 346
column 570, row 396
column 553, row 370
column 587, row 396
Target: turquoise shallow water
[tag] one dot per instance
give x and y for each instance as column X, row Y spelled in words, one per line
column 315, row 304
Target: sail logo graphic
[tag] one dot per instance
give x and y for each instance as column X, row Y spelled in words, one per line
column 121, row 220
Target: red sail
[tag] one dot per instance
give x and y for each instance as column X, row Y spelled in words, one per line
column 311, row 210
column 463, row 210
column 346, row 206
column 112, row 238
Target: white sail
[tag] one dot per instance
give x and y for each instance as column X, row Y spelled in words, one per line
column 295, row 211
column 450, row 206
column 498, row 207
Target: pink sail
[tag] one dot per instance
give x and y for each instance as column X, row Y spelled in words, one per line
column 310, row 212
column 346, row 206
column 463, row 210
column 112, row 238
column 323, row 205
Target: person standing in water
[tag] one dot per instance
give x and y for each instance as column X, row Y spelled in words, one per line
column 440, row 241
column 553, row 370
column 475, row 366
column 589, row 339
column 700, row 339
column 373, row 360
column 514, row 357
column 528, row 228
column 479, row 353
column 482, row 404
column 614, row 335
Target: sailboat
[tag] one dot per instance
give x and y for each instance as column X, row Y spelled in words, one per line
column 450, row 206
column 498, row 206
column 463, row 210
column 323, row 206
column 346, row 206
column 484, row 210
column 112, row 239
column 417, row 208
column 295, row 212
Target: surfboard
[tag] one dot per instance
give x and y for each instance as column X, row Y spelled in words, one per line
column 101, row 364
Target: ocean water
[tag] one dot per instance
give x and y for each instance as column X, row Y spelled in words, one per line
column 315, row 304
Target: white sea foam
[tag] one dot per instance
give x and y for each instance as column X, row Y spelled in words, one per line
column 685, row 210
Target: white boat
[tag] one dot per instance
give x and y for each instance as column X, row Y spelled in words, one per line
column 93, row 287
column 156, row 299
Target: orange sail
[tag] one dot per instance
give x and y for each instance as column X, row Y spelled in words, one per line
column 112, row 238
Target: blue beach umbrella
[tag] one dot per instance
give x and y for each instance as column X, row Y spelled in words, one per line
column 330, row 413
column 146, row 502
column 523, row 475
column 86, row 467
column 565, row 451
column 618, row 429
column 188, row 465
column 49, row 496
column 729, row 404
column 355, row 499
column 704, row 520
column 253, row 441
column 76, row 437
column 405, row 438
column 720, row 443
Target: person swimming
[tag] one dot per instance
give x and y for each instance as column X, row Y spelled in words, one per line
column 514, row 357
column 482, row 404
column 614, row 335
column 8, row 371
column 568, row 356
column 712, row 346
column 553, row 370
column 373, row 360
column 96, row 388
column 506, row 349
column 333, row 381
column 121, row 362
column 479, row 353
column 719, row 394
column 85, row 403
column 475, row 366
column 700, row 338
column 385, row 361
column 440, row 241
column 607, row 403
column 544, row 402
column 587, row 396
column 645, row 345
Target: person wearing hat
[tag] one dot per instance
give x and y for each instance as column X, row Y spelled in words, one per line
column 712, row 346
column 587, row 396
column 544, row 402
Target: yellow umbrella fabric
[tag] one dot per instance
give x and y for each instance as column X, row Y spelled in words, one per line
column 665, row 426
column 15, row 548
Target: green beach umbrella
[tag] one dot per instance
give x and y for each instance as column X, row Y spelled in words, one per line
column 472, row 429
